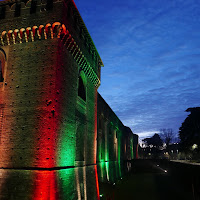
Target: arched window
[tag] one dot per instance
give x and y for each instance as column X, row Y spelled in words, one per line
column 81, row 88
column 2, row 65
column 1, row 72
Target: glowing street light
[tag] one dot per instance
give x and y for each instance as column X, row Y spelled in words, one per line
column 194, row 146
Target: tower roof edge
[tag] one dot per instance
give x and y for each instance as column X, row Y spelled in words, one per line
column 86, row 31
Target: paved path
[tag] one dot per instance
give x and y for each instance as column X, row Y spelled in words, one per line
column 150, row 181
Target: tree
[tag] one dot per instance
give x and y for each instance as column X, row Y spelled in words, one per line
column 167, row 135
column 155, row 141
column 153, row 146
column 189, row 132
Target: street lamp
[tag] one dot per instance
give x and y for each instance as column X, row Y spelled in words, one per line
column 194, row 146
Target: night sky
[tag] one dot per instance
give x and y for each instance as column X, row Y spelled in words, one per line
column 151, row 55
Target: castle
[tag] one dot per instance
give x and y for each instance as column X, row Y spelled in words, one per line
column 54, row 126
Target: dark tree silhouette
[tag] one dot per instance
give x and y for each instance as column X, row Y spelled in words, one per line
column 155, row 141
column 189, row 132
column 153, row 146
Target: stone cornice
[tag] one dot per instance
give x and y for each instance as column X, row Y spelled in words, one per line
column 48, row 31
column 22, row 8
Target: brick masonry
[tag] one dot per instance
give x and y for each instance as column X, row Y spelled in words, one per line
column 45, row 49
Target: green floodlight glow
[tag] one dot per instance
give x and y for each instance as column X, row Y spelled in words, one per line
column 107, row 171
column 132, row 150
column 68, row 146
column 67, row 182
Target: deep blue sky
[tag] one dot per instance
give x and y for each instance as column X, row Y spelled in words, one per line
column 151, row 53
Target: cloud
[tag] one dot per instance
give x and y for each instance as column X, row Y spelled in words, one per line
column 146, row 134
column 150, row 50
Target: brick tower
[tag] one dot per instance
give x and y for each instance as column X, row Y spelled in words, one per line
column 50, row 72
column 49, row 75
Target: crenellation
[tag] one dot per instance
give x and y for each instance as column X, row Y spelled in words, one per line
column 80, row 30
column 2, row 12
column 22, row 9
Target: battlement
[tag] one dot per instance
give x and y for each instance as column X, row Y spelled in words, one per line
column 9, row 9
column 26, row 10
column 48, row 31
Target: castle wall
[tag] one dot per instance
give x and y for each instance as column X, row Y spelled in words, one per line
column 115, row 142
column 54, row 126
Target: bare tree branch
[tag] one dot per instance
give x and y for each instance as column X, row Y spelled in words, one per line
column 167, row 135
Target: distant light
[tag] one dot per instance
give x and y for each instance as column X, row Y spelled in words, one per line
column 113, row 183
column 101, row 195
column 121, row 178
column 194, row 146
column 158, row 165
column 165, row 171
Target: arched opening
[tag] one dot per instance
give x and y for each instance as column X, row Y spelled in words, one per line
column 99, row 139
column 81, row 119
column 1, row 72
column 81, row 88
column 2, row 65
